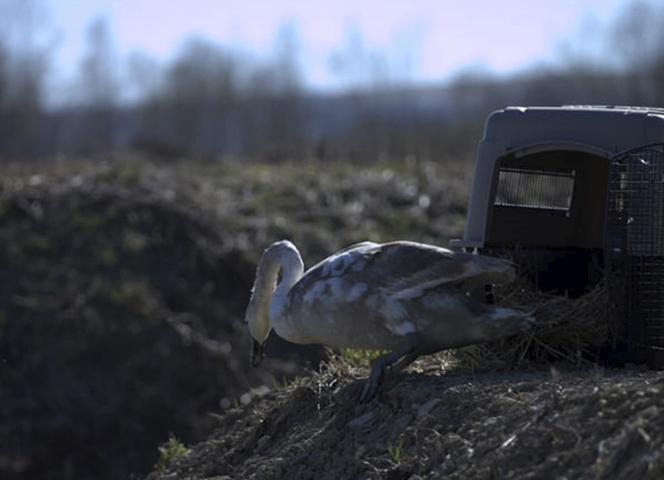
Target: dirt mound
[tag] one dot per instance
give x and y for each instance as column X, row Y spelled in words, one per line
column 430, row 424
column 123, row 284
column 120, row 321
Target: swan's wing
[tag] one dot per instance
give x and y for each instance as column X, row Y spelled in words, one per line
column 344, row 258
column 345, row 267
column 372, row 284
column 407, row 270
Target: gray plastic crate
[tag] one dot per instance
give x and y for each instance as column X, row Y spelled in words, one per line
column 577, row 194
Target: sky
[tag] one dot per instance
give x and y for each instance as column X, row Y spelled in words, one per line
column 424, row 41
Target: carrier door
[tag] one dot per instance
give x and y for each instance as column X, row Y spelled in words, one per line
column 634, row 253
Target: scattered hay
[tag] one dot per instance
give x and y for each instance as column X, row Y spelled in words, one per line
column 570, row 330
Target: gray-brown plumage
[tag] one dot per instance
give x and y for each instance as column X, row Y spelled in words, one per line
column 410, row 298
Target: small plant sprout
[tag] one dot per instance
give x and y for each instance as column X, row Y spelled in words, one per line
column 169, row 451
column 396, row 452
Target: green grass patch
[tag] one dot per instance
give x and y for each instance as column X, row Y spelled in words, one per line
column 360, row 357
column 169, row 451
column 396, row 451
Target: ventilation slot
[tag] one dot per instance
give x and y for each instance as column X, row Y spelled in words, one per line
column 537, row 189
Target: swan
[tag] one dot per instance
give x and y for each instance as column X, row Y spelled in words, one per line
column 409, row 298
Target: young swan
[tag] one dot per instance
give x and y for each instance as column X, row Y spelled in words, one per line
column 410, row 298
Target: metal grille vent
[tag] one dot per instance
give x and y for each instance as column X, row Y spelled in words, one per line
column 635, row 251
column 535, row 189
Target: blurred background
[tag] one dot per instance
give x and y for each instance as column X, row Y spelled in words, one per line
column 282, row 79
column 150, row 151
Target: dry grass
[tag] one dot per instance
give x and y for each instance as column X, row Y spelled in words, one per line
column 565, row 329
column 539, row 423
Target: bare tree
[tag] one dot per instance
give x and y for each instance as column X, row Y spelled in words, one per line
column 188, row 106
column 356, row 66
column 99, row 88
column 4, row 75
column 637, row 38
column 275, row 100
column 23, row 66
column 144, row 76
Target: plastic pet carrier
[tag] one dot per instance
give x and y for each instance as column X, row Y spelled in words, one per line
column 576, row 195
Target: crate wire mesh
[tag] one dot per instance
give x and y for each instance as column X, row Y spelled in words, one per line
column 635, row 251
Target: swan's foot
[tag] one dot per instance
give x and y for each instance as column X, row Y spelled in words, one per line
column 396, row 361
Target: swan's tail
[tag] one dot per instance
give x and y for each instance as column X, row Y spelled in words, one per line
column 505, row 322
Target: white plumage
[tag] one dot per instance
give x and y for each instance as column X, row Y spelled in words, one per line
column 410, row 298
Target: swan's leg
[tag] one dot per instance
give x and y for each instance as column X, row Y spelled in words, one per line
column 381, row 363
column 404, row 362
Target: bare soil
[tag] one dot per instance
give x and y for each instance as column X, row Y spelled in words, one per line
column 432, row 423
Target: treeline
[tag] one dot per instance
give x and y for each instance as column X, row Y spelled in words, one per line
column 210, row 101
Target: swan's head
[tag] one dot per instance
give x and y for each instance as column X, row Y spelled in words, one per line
column 257, row 318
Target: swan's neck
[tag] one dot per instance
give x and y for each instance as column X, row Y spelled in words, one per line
column 267, row 304
column 292, row 269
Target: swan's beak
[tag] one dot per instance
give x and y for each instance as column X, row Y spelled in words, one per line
column 256, row 353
